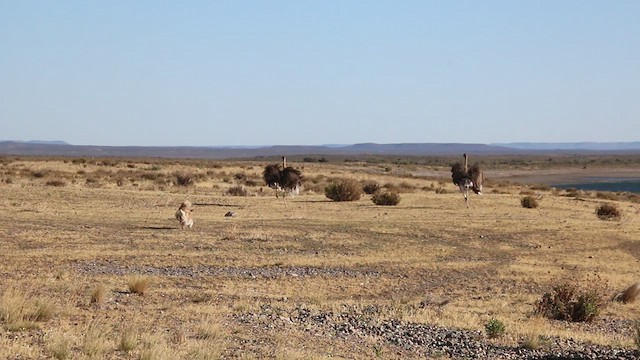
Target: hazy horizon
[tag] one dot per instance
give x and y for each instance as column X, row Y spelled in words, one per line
column 231, row 73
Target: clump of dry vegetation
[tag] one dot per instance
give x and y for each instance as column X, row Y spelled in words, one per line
column 344, row 190
column 19, row 313
column 529, row 202
column 386, row 197
column 237, row 190
column 370, row 187
column 128, row 340
column 139, row 284
column 608, row 211
column 98, row 294
column 56, row 183
column 629, row 294
column 59, row 346
column 184, row 179
column 570, row 303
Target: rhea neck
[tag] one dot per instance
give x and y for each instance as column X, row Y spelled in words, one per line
column 284, row 162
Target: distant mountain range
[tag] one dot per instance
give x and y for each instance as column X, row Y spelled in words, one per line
column 61, row 148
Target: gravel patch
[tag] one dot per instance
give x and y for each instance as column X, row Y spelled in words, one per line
column 422, row 339
column 265, row 272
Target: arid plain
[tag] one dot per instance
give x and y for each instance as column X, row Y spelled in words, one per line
column 93, row 263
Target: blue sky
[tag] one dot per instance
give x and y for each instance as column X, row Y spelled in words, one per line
column 319, row 72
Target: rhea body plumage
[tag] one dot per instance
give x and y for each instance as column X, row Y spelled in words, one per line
column 283, row 178
column 467, row 178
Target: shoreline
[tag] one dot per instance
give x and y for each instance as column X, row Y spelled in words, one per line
column 553, row 177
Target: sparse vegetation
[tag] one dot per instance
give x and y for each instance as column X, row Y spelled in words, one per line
column 128, row 340
column 494, row 328
column 184, row 179
column 56, row 183
column 529, row 202
column 344, row 190
column 568, row 302
column 274, row 281
column 370, row 187
column 386, row 197
column 98, row 294
column 238, row 190
column 139, row 284
column 608, row 211
column 59, row 346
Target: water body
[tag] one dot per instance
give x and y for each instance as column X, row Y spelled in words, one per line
column 608, row 184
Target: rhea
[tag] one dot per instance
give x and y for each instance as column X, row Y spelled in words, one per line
column 467, row 178
column 183, row 215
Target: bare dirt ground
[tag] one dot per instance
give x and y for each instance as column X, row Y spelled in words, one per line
column 305, row 278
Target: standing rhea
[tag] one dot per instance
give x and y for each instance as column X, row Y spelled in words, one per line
column 467, row 178
column 183, row 215
column 286, row 179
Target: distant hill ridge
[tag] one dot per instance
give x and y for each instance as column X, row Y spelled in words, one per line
column 61, row 148
column 598, row 146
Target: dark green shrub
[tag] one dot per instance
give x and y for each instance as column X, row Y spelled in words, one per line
column 567, row 302
column 494, row 328
column 344, row 190
column 386, row 198
column 370, row 187
column 529, row 202
column 608, row 211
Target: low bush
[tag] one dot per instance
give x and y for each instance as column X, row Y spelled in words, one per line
column 56, row 183
column 608, row 211
column 344, row 190
column 370, row 187
column 388, row 198
column 494, row 328
column 567, row 302
column 237, row 191
column 184, row 179
column 529, row 202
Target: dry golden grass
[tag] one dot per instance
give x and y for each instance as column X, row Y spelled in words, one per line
column 139, row 284
column 465, row 266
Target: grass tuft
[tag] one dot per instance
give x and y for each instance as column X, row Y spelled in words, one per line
column 98, row 294
column 59, row 347
column 139, row 284
column 128, row 341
